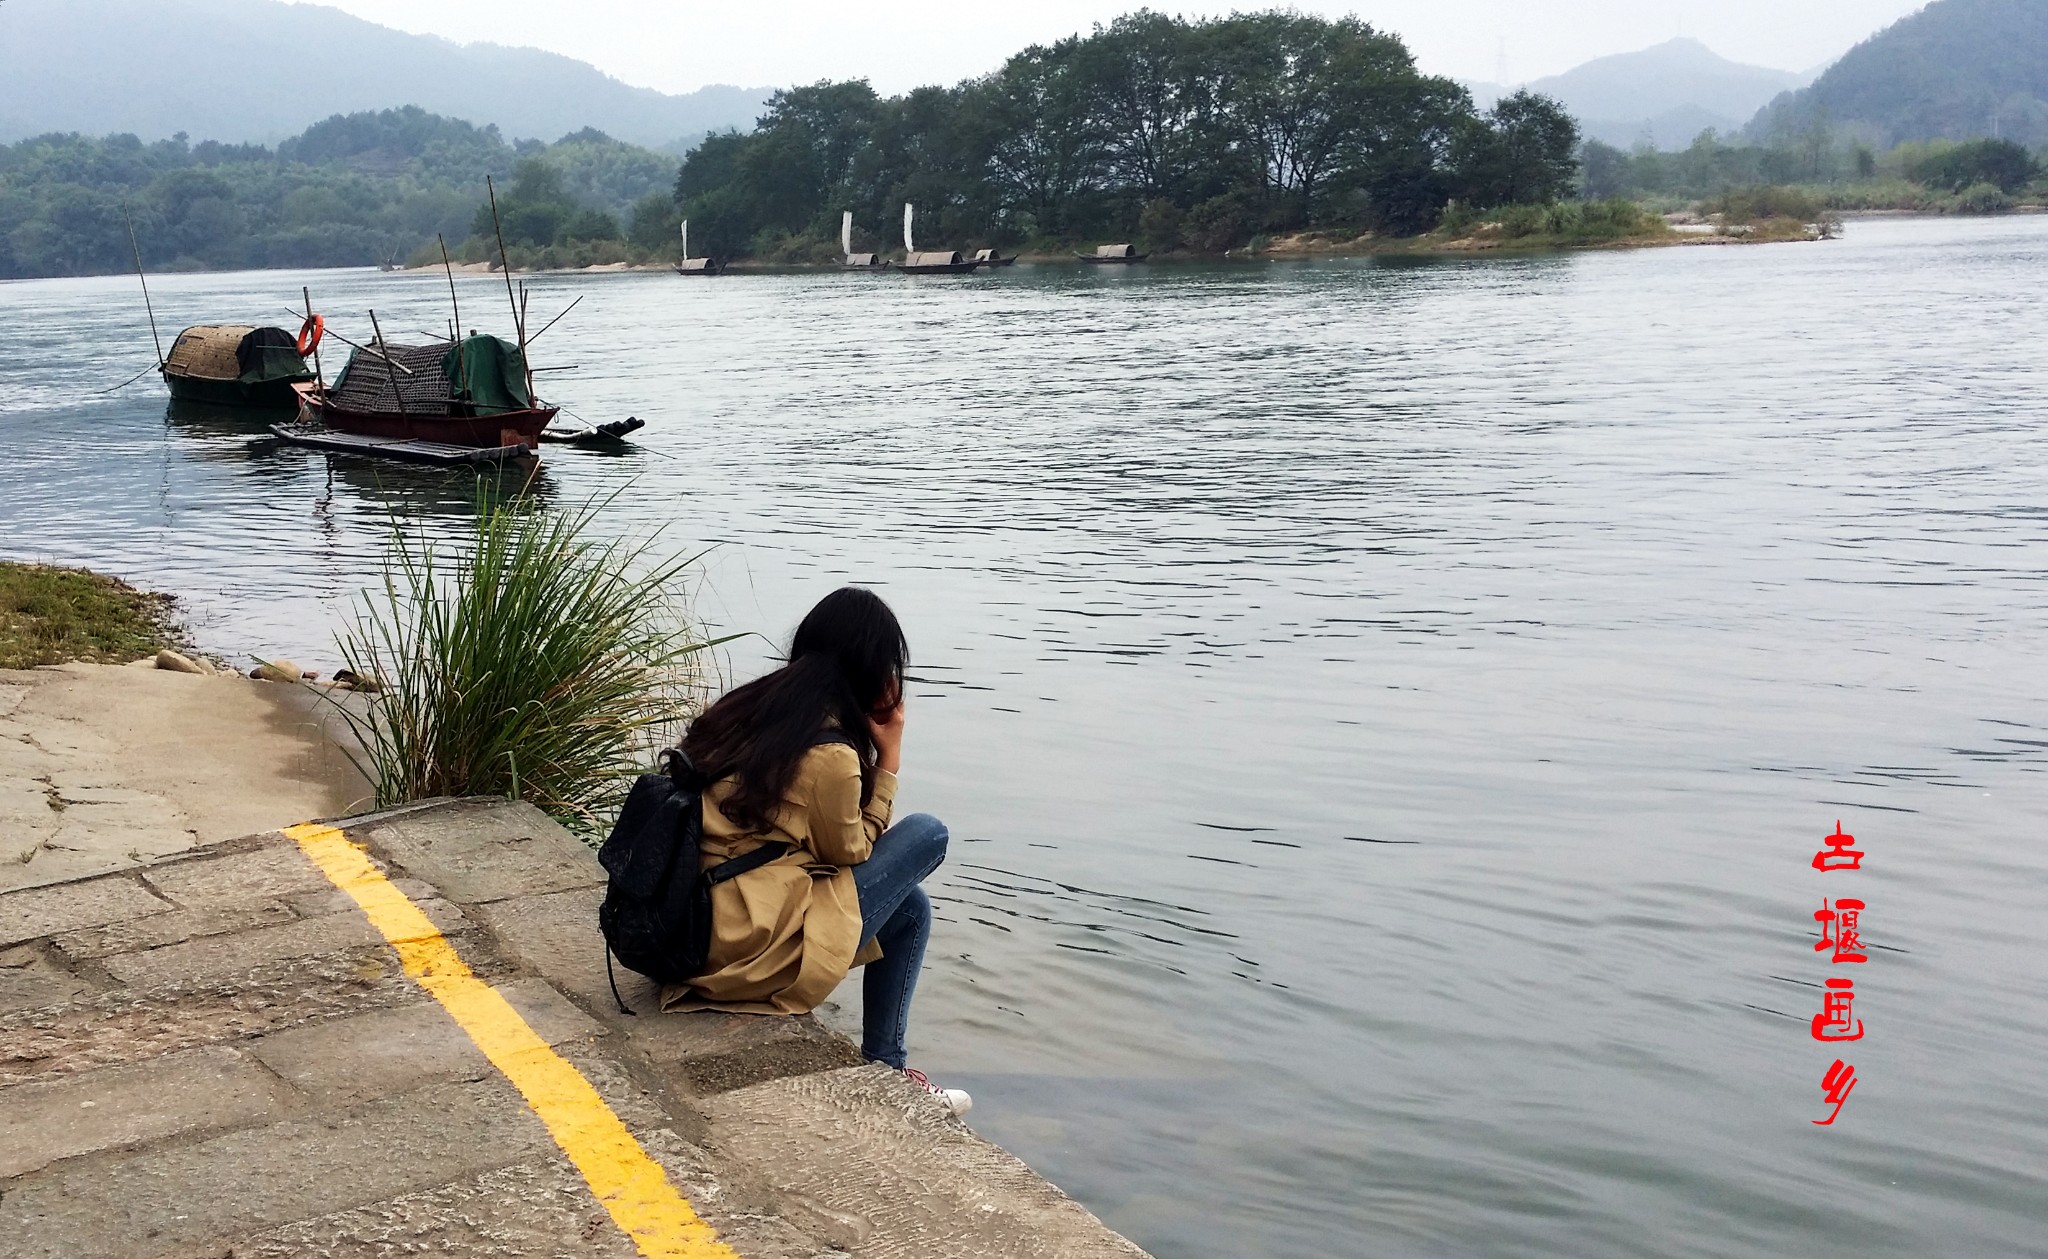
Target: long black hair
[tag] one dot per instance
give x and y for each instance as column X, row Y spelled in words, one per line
column 845, row 662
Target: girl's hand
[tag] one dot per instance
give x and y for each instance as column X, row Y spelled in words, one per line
column 886, row 725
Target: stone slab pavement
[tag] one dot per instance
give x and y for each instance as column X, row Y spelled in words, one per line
column 219, row 1053
column 109, row 766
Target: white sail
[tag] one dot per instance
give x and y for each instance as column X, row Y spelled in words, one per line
column 686, row 240
column 908, row 210
column 846, row 232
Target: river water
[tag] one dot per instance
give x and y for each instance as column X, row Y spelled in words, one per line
column 1387, row 712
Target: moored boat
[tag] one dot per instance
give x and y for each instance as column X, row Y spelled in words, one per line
column 1114, row 254
column 850, row 259
column 929, row 261
column 237, row 365
column 990, row 258
column 472, row 392
column 695, row 266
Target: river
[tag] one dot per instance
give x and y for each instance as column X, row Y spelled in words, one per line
column 1386, row 711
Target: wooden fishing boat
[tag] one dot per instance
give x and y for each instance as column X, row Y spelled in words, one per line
column 472, row 392
column 236, row 365
column 695, row 266
column 929, row 262
column 851, row 260
column 990, row 258
column 1112, row 254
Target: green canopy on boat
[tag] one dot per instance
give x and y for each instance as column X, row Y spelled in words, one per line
column 488, row 373
column 269, row 354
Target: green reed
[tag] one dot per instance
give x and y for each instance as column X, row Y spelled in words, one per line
column 530, row 660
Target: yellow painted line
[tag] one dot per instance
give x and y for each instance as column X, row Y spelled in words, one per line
column 630, row 1184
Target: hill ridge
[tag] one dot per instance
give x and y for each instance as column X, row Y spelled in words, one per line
column 102, row 67
column 1955, row 70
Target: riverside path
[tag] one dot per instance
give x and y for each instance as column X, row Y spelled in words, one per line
column 393, row 1034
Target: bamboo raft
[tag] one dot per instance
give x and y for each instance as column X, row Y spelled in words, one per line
column 405, row 449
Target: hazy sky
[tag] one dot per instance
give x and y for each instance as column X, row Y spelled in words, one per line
column 898, row 44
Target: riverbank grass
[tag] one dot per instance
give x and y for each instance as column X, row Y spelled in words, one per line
column 1774, row 214
column 530, row 660
column 1558, row 225
column 51, row 615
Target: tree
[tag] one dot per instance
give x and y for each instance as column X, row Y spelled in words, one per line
column 1520, row 153
column 1955, row 167
column 654, row 222
column 535, row 211
column 1043, row 149
column 1605, row 171
column 1306, row 96
column 1149, row 103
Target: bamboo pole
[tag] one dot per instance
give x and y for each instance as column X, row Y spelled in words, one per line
column 372, row 351
column 396, row 392
column 524, row 365
column 504, row 259
column 146, row 304
column 552, row 322
column 449, row 267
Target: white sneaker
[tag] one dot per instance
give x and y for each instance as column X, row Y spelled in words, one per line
column 955, row 1100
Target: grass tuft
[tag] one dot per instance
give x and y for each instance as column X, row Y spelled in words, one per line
column 52, row 615
column 532, row 661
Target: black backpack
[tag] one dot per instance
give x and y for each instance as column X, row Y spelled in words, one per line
column 656, row 915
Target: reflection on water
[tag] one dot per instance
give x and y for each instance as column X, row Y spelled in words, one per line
column 1385, row 711
column 210, row 420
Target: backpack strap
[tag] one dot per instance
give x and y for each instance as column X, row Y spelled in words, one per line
column 737, row 866
column 623, row 1007
column 726, row 871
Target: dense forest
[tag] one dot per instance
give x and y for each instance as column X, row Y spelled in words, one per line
column 350, row 191
column 1180, row 134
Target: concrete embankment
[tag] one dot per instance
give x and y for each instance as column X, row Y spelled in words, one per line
column 393, row 1034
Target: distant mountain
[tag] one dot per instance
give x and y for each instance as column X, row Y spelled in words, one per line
column 259, row 71
column 1664, row 95
column 1957, row 70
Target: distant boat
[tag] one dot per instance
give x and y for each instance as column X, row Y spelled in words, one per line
column 1114, row 254
column 990, row 258
column 238, row 365
column 695, row 266
column 930, row 262
column 849, row 258
column 472, row 392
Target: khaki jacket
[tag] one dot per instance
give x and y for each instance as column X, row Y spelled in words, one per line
column 784, row 935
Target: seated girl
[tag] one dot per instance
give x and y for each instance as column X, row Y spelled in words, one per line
column 808, row 756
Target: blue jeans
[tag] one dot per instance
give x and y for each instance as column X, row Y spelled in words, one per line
column 895, row 911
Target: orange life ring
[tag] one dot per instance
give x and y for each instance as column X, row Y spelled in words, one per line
column 310, row 333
